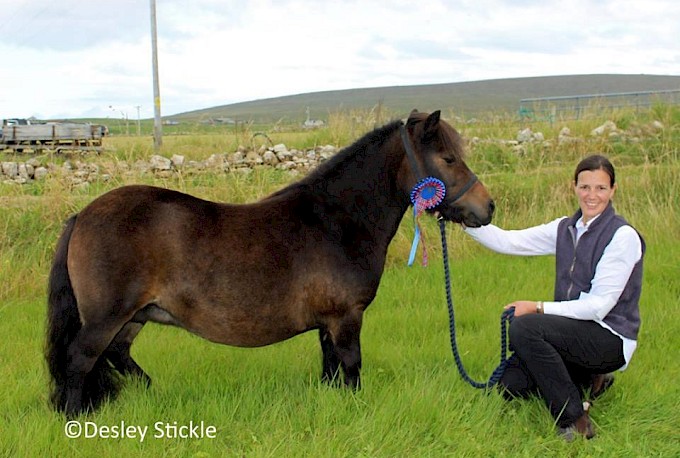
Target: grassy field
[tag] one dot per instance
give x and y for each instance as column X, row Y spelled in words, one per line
column 268, row 402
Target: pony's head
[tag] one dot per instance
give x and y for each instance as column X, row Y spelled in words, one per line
column 438, row 152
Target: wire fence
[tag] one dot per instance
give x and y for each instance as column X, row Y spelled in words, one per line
column 579, row 106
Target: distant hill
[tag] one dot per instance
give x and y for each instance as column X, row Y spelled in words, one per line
column 466, row 99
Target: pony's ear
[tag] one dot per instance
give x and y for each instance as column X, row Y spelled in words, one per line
column 432, row 121
column 411, row 118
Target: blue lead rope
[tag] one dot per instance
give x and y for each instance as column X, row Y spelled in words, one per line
column 506, row 318
column 427, row 194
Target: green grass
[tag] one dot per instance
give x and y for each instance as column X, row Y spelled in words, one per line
column 269, row 401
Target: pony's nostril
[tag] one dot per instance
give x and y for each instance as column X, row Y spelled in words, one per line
column 492, row 207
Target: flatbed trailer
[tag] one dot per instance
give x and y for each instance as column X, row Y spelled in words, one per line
column 52, row 137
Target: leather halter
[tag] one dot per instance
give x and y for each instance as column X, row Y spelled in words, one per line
column 416, row 169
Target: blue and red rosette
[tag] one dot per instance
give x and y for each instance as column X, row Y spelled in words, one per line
column 425, row 195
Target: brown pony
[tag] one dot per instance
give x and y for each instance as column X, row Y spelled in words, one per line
column 309, row 256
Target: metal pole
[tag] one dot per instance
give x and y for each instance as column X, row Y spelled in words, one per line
column 139, row 122
column 157, row 127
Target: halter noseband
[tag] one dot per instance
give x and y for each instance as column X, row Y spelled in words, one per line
column 461, row 192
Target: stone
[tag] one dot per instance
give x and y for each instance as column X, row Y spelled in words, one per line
column 286, row 165
column 328, row 149
column 280, row 148
column 605, row 128
column 33, row 162
column 11, row 169
column 23, row 171
column 237, row 158
column 197, row 165
column 215, row 161
column 284, row 156
column 177, row 161
column 253, row 158
column 157, row 163
column 270, row 158
column 524, row 135
column 40, row 173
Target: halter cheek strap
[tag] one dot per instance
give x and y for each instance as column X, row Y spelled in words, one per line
column 409, row 151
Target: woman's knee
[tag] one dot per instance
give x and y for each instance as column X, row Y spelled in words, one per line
column 516, row 381
column 524, row 328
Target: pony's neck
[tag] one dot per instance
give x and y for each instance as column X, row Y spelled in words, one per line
column 362, row 180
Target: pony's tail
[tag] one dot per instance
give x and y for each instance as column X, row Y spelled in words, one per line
column 63, row 324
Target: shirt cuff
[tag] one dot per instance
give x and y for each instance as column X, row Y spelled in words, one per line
column 549, row 308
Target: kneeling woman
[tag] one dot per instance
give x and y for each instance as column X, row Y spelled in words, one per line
column 571, row 344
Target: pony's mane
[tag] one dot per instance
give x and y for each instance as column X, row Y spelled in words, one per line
column 364, row 146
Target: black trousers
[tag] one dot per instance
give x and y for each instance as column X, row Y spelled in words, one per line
column 556, row 357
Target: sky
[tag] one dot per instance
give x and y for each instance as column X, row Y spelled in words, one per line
column 79, row 58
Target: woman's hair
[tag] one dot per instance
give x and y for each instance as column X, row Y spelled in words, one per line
column 596, row 162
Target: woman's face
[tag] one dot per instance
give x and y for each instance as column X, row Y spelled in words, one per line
column 594, row 191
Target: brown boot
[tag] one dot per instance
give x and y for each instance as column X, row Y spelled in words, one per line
column 581, row 426
column 599, row 384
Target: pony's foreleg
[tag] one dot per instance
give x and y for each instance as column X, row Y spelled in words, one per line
column 330, row 359
column 348, row 347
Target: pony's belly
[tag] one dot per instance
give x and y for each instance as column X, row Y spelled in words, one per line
column 240, row 327
column 252, row 334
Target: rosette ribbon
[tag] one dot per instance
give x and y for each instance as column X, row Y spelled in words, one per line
column 426, row 194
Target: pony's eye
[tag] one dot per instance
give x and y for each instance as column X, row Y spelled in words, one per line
column 449, row 160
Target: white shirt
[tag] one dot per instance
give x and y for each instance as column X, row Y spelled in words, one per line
column 611, row 273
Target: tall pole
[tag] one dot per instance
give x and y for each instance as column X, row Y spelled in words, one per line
column 157, row 127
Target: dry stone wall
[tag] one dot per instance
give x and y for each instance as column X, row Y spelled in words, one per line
column 242, row 160
column 278, row 156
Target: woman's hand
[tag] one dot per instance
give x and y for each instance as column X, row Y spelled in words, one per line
column 523, row 307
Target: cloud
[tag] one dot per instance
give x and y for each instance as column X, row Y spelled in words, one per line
column 67, row 25
column 71, row 57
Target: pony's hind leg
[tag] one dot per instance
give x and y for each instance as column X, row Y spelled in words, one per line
column 118, row 351
column 90, row 378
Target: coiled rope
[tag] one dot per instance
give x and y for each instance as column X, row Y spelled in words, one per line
column 506, row 318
